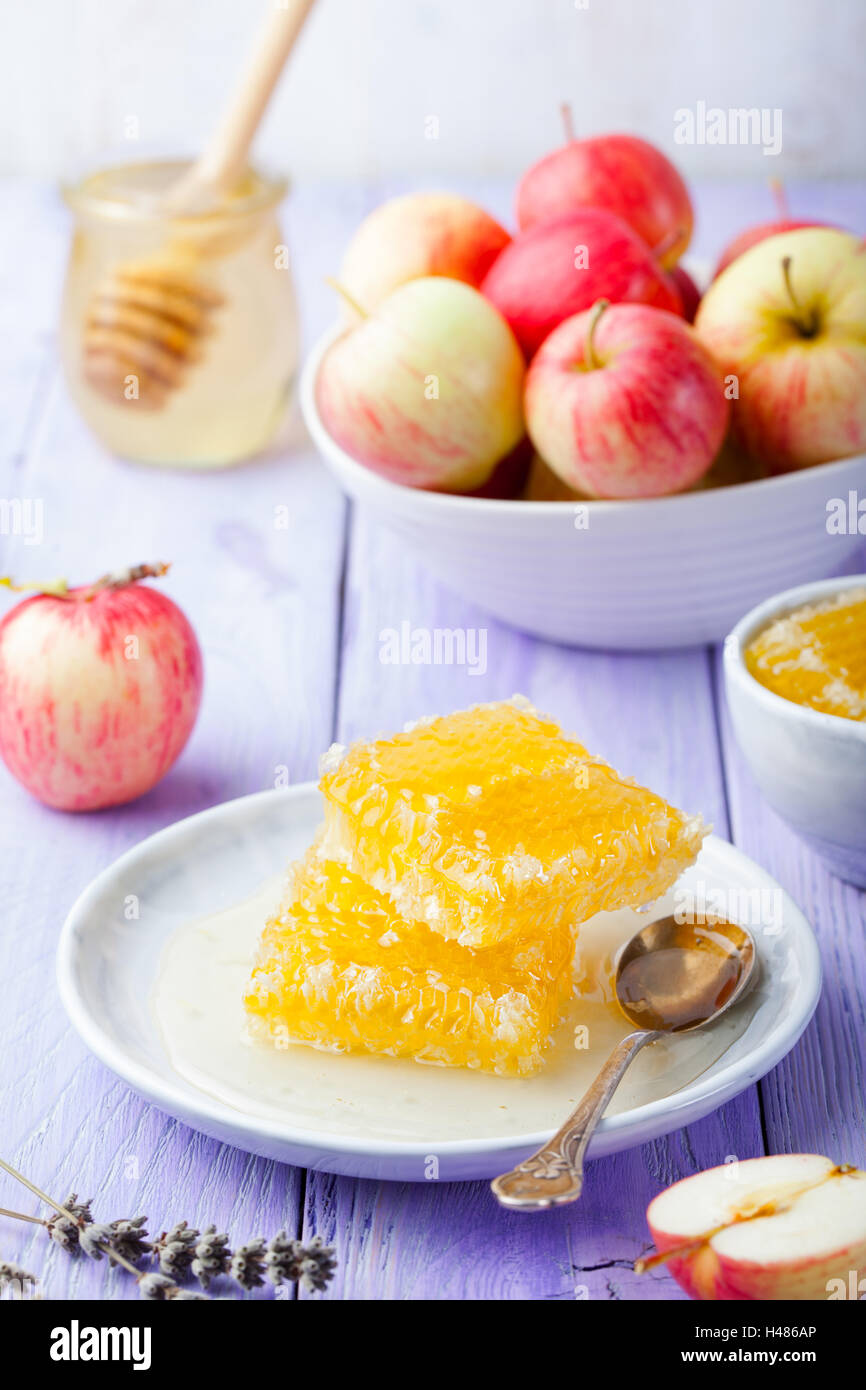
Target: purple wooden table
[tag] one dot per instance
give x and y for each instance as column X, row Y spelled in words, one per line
column 289, row 621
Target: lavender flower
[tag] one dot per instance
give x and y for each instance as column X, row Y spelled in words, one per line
column 212, row 1256
column 175, row 1249
column 248, row 1264
column 65, row 1232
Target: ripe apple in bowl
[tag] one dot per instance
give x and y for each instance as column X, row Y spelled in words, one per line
column 427, row 388
column 416, row 235
column 99, row 690
column 788, row 320
column 751, row 236
column 621, row 174
column 624, row 401
column 559, row 268
column 787, row 1226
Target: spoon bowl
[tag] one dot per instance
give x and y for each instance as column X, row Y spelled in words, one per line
column 674, row 976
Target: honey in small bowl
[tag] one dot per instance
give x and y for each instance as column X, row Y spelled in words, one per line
column 816, row 655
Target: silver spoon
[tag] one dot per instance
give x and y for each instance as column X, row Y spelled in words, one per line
column 672, row 977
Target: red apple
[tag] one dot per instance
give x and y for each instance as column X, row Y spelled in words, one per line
column 689, row 292
column 420, row 234
column 99, row 690
column 787, row 323
column 555, row 270
column 427, row 389
column 625, row 401
column 619, row 173
column 784, row 1227
column 783, row 222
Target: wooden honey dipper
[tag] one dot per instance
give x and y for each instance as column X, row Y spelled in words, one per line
column 147, row 319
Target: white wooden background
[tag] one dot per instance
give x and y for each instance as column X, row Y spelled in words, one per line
column 78, row 78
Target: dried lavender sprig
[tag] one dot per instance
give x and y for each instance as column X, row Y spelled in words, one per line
column 317, row 1265
column 95, row 1240
column 66, row 1224
column 122, row 1241
column 10, row 1272
column 247, row 1265
column 129, row 1238
column 77, row 1221
column 156, row 1287
column 175, row 1249
column 290, row 1261
column 212, row 1255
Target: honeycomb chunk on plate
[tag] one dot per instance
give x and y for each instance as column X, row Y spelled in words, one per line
column 816, row 655
column 338, row 969
column 491, row 823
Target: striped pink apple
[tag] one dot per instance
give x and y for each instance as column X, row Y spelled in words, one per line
column 99, row 690
column 625, row 401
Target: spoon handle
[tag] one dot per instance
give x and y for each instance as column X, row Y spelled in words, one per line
column 554, row 1175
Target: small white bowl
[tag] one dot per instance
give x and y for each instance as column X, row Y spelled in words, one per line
column 810, row 766
column 667, row 572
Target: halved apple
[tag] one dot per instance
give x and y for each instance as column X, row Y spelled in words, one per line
column 788, row 1226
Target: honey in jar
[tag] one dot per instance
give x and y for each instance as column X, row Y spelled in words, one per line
column 179, row 333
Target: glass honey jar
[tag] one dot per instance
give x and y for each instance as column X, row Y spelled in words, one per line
column 179, row 333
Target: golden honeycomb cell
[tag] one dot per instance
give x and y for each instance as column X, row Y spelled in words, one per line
column 338, row 969
column 491, row 823
column 816, row 655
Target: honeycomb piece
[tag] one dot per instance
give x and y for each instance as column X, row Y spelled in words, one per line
column 816, row 655
column 490, row 823
column 338, row 969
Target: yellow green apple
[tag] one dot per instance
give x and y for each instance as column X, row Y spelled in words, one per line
column 787, row 323
column 427, row 388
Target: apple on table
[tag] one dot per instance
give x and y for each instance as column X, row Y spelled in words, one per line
column 782, row 1227
column 100, row 686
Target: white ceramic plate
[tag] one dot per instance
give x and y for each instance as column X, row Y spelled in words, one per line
column 382, row 1117
column 664, row 572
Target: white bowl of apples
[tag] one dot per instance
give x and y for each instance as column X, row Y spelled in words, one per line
column 679, row 474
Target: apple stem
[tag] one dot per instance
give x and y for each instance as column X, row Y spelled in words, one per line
column 117, row 579
column 344, row 294
column 590, row 361
column 805, row 322
column 567, row 121
column 780, row 198
column 58, row 588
